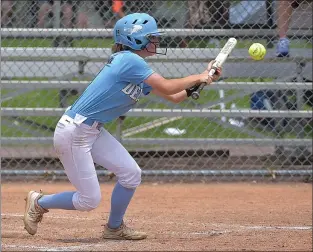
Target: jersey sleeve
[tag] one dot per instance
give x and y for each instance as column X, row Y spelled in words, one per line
column 135, row 69
column 146, row 89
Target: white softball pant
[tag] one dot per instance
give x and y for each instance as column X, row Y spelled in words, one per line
column 78, row 147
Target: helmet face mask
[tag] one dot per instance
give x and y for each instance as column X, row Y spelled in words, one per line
column 157, row 40
column 137, row 31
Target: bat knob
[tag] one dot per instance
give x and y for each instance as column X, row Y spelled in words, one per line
column 195, row 95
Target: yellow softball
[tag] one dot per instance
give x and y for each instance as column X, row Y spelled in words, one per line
column 257, row 51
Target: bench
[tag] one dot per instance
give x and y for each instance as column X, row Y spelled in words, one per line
column 182, row 60
column 107, row 33
column 60, row 65
column 59, row 62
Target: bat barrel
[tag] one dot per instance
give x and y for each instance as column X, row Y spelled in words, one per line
column 219, row 61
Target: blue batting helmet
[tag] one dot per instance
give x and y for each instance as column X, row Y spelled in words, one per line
column 134, row 30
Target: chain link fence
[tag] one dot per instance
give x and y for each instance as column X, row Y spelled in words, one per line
column 255, row 123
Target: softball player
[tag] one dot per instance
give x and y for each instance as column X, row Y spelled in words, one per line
column 80, row 140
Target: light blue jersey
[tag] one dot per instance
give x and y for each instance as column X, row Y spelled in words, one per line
column 116, row 89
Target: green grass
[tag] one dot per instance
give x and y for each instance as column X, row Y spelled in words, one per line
column 9, row 132
column 195, row 127
column 94, row 43
column 107, row 43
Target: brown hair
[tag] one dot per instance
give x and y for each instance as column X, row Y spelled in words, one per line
column 119, row 47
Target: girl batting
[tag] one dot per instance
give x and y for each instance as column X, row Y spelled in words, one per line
column 80, row 140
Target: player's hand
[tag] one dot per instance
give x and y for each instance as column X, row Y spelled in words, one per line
column 218, row 71
column 205, row 78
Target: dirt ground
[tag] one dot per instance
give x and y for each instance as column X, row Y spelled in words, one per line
column 177, row 217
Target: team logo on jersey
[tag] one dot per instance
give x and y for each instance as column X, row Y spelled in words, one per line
column 133, row 91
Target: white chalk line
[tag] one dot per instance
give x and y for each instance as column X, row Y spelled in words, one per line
column 219, row 229
column 217, row 225
column 49, row 216
column 44, row 248
column 238, row 228
column 108, row 243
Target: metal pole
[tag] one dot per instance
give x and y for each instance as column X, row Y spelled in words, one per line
column 57, row 14
column 270, row 22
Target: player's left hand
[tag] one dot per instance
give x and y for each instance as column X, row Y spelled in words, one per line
column 218, row 71
column 217, row 74
column 209, row 79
